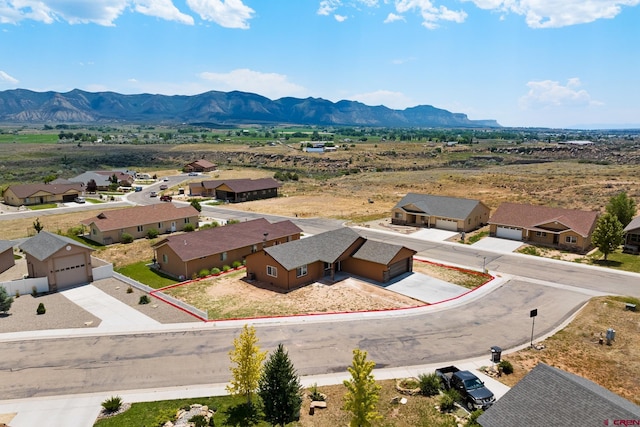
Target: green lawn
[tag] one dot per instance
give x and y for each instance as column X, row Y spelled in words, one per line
column 617, row 260
column 44, row 206
column 143, row 274
column 32, row 138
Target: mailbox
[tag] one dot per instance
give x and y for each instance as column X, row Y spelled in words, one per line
column 496, row 353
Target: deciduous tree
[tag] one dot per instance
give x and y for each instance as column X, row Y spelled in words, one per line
column 280, row 389
column 363, row 393
column 622, row 207
column 608, row 234
column 247, row 359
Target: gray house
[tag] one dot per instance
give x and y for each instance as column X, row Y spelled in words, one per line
column 632, row 236
column 549, row 397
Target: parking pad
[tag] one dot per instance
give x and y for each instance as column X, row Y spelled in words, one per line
column 496, row 244
column 425, row 288
column 433, row 234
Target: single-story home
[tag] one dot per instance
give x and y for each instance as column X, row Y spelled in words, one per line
column 63, row 261
column 108, row 226
column 632, row 236
column 447, row 213
column 6, row 255
column 184, row 255
column 307, row 260
column 549, row 396
column 236, row 190
column 568, row 229
column 38, row 194
column 201, row 165
column 103, row 179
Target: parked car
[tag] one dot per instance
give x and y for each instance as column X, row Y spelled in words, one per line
column 165, row 179
column 193, row 174
column 153, row 194
column 472, row 390
column 166, row 198
column 137, row 188
column 79, row 199
column 164, row 187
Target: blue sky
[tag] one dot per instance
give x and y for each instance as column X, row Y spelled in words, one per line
column 550, row 63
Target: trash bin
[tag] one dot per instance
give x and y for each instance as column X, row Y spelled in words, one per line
column 496, row 353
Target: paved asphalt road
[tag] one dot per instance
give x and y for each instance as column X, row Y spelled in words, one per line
column 137, row 361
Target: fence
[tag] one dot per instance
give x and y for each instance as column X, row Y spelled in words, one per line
column 26, row 286
column 103, row 272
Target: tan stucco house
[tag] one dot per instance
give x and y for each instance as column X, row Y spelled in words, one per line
column 184, row 255
column 63, row 261
column 307, row 260
column 108, row 226
column 447, row 213
column 39, row 194
column 236, row 190
column 568, row 229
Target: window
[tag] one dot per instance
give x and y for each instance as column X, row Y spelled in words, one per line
column 469, row 221
column 301, row 271
column 288, row 238
column 165, row 258
column 140, row 228
column 571, row 239
column 159, row 225
column 398, row 215
column 186, row 220
column 223, row 256
column 272, row 271
column 541, row 234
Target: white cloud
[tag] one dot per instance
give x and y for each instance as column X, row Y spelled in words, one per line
column 226, row 13
column 340, row 18
column 394, row 100
column 327, row 7
column 549, row 94
column 4, row 77
column 430, row 13
column 164, row 9
column 557, row 13
column 271, row 85
column 392, row 17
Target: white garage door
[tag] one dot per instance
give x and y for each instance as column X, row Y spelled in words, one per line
column 70, row 270
column 509, row 233
column 445, row 224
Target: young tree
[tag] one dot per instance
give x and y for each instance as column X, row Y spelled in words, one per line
column 37, row 225
column 5, row 300
column 622, row 207
column 248, row 358
column 608, row 234
column 363, row 393
column 92, row 186
column 196, row 205
column 280, row 389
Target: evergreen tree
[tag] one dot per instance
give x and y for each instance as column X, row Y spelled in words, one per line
column 622, row 207
column 248, row 358
column 280, row 389
column 363, row 393
column 5, row 300
column 608, row 234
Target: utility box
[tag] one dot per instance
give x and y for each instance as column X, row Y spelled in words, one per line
column 496, row 353
column 611, row 335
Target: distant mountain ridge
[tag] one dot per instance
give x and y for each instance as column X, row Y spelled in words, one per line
column 226, row 108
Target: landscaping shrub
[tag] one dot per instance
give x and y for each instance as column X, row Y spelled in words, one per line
column 112, row 404
column 429, row 384
column 448, row 400
column 41, row 309
column 236, row 264
column 144, row 299
column 198, row 421
column 315, row 395
column 203, row 273
column 152, row 233
column 129, row 290
column 233, row 221
column 472, row 420
column 226, row 268
column 75, row 231
column 506, row 367
column 188, row 228
column 5, row 300
column 215, row 270
column 126, row 238
column 34, row 291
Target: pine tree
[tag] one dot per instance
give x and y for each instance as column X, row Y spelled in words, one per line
column 363, row 393
column 248, row 358
column 5, row 300
column 608, row 234
column 280, row 389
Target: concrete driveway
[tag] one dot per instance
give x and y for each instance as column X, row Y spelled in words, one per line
column 433, row 234
column 424, row 288
column 497, row 245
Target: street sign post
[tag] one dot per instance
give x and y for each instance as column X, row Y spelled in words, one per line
column 532, row 314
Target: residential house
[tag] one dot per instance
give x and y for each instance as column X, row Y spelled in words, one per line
column 236, row 190
column 568, row 229
column 185, row 255
column 549, row 396
column 63, row 261
column 6, row 255
column 447, row 213
column 108, row 226
column 632, row 236
column 104, row 179
column 307, row 260
column 201, row 165
column 38, row 194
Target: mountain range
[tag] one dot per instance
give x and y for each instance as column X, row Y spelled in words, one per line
column 216, row 108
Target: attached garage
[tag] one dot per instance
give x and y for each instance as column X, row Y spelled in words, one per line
column 70, row 271
column 447, row 224
column 509, row 233
column 400, row 267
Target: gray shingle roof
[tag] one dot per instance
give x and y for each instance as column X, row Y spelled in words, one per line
column 633, row 225
column 44, row 244
column 6, row 244
column 549, row 396
column 378, row 252
column 326, row 247
column 442, row 206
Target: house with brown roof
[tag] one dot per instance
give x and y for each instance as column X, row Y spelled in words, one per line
column 308, row 260
column 568, row 229
column 38, row 194
column 104, row 179
column 108, row 226
column 201, row 165
column 184, row 255
column 236, row 190
column 446, row 213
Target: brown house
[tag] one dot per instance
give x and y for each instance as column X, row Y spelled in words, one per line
column 236, row 190
column 184, row 255
column 109, row 226
column 6, row 255
column 308, row 260
column 38, row 194
column 568, row 229
column 201, row 165
column 447, row 213
column 63, row 261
